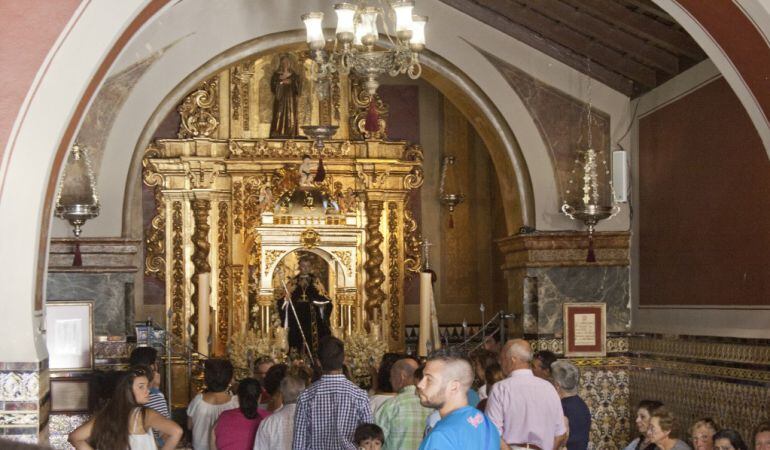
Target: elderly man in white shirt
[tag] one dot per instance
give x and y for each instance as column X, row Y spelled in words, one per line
column 276, row 431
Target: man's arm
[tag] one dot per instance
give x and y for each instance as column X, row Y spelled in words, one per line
column 559, row 441
column 495, row 409
column 384, row 418
column 301, row 422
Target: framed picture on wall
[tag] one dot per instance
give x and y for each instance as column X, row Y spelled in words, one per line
column 69, row 335
column 585, row 329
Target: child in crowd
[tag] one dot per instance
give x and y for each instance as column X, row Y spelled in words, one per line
column 369, row 436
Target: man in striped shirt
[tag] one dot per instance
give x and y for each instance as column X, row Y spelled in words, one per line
column 331, row 409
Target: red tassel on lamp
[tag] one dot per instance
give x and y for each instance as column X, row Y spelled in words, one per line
column 78, row 260
column 372, row 124
column 591, row 257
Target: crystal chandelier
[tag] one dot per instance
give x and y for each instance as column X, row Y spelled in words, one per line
column 77, row 200
column 588, row 205
column 357, row 32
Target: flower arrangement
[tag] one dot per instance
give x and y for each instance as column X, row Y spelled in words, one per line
column 363, row 351
column 248, row 347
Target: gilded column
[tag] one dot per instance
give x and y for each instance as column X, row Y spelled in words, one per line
column 177, row 278
column 395, row 277
column 223, row 284
column 375, row 296
column 200, row 260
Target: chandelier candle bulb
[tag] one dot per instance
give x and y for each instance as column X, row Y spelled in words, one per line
column 417, row 42
column 346, row 28
column 315, row 34
column 369, row 24
column 403, row 11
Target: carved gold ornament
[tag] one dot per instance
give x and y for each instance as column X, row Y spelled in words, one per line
column 345, row 258
column 200, row 111
column 310, row 238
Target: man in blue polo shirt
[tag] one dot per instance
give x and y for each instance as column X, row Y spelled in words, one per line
column 444, row 386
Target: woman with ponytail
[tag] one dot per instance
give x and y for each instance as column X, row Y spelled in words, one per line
column 236, row 428
column 124, row 422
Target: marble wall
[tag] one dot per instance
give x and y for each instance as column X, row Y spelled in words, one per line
column 112, row 294
column 547, row 289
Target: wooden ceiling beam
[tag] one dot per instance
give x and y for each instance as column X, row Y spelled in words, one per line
column 579, row 43
column 645, row 27
column 559, row 52
column 568, row 12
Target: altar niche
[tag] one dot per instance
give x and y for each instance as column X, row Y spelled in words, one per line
column 232, row 205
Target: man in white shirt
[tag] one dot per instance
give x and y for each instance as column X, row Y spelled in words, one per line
column 276, row 431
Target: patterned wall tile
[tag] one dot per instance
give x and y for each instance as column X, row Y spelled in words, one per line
column 19, row 386
column 61, row 425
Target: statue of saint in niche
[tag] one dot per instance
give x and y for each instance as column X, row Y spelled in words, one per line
column 311, row 304
column 285, row 85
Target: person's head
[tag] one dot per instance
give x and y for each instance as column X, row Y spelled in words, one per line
column 261, row 367
column 566, row 378
column 291, row 386
column 702, row 434
column 305, row 266
column 248, row 397
column 492, row 374
column 643, row 411
column 273, row 377
column 516, row 354
column 383, row 372
column 762, row 436
column 661, row 424
column 285, row 62
column 331, row 353
column 729, row 440
column 147, row 357
column 369, row 436
column 447, row 376
column 217, row 373
column 481, row 360
column 111, row 425
column 402, row 373
column 492, row 342
column 541, row 364
column 144, row 356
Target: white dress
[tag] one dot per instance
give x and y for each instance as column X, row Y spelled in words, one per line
column 203, row 416
column 144, row 441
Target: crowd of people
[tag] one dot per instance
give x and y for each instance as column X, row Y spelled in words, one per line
column 502, row 396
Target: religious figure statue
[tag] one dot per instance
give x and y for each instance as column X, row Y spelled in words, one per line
column 313, row 309
column 306, row 172
column 266, row 201
column 285, row 85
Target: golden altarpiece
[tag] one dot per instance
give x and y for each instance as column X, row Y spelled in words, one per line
column 235, row 206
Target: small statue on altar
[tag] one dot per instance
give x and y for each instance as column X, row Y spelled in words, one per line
column 312, row 307
column 306, row 172
column 285, row 85
column 266, row 201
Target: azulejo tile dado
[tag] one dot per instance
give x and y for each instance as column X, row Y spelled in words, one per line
column 27, row 418
column 19, row 386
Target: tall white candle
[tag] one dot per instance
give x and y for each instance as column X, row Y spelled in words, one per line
column 204, row 281
column 426, row 300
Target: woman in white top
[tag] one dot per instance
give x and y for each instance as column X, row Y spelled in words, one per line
column 124, row 423
column 205, row 408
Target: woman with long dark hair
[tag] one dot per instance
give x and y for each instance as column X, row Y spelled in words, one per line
column 236, row 428
column 204, row 410
column 124, row 423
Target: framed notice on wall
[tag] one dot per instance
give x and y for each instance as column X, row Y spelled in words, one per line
column 69, row 335
column 585, row 329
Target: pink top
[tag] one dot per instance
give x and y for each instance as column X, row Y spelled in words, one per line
column 526, row 410
column 235, row 432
